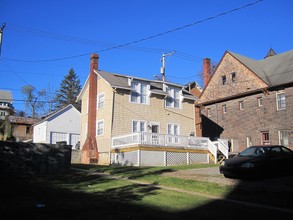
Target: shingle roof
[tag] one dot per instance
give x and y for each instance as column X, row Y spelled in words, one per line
column 274, row 70
column 156, row 87
column 118, row 81
column 115, row 80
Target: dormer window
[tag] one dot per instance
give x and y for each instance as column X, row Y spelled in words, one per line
column 173, row 98
column 224, row 80
column 139, row 92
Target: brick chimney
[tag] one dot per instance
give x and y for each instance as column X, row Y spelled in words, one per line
column 90, row 152
column 206, row 70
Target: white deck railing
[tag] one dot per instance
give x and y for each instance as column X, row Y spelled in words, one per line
column 154, row 139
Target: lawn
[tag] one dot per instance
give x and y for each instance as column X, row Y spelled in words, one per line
column 91, row 195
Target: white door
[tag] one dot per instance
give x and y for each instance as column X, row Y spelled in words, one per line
column 155, row 138
column 58, row 136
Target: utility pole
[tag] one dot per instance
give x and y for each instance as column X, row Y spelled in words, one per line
column 164, row 64
column 1, row 35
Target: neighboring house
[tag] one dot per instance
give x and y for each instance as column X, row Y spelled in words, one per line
column 6, row 107
column 249, row 102
column 129, row 109
column 62, row 125
column 18, row 128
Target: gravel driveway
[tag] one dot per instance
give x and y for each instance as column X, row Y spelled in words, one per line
column 212, row 174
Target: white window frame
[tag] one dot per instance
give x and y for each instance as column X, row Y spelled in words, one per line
column 260, row 101
column 284, row 141
column 241, row 105
column 224, row 109
column 209, row 113
column 172, row 100
column 101, row 100
column 137, row 92
column 281, row 104
column 173, row 138
column 140, row 129
column 98, row 129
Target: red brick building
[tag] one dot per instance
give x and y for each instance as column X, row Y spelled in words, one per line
column 249, row 101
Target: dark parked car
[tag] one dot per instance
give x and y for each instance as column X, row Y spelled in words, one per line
column 257, row 161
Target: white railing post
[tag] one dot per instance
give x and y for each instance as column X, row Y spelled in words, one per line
column 223, row 148
column 213, row 149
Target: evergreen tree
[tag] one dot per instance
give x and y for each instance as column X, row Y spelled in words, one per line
column 69, row 90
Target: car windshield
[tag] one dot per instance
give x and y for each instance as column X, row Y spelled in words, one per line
column 253, row 152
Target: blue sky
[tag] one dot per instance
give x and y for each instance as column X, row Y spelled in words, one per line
column 39, row 30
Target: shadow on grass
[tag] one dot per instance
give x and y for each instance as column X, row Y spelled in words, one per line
column 130, row 172
column 21, row 196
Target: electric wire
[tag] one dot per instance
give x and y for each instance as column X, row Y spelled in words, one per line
column 139, row 40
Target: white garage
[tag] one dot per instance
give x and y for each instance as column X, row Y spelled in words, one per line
column 62, row 125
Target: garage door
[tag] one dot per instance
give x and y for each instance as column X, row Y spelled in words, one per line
column 58, row 136
column 74, row 139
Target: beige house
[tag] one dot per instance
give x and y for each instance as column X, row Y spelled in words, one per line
column 130, row 110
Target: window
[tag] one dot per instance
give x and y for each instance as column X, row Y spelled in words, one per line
column 233, row 77
column 101, row 101
column 100, row 128
column 241, row 105
column 173, row 131
column 27, row 130
column 139, row 127
column 259, row 101
column 209, row 112
column 224, row 80
column 281, row 101
column 173, row 98
column 265, row 137
column 139, row 93
column 284, row 138
column 224, row 109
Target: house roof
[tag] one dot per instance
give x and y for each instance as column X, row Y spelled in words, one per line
column 274, row 70
column 6, row 96
column 118, row 81
column 56, row 113
column 22, row 120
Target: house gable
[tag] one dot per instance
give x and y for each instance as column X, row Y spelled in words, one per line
column 231, row 78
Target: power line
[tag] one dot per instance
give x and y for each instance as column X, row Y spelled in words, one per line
column 142, row 39
column 1, row 59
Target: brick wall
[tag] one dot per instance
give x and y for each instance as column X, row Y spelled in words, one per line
column 249, row 123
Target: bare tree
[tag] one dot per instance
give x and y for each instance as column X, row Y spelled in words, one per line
column 33, row 98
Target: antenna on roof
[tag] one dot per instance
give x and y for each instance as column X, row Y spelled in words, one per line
column 164, row 64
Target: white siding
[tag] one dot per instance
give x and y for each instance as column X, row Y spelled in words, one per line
column 39, row 135
column 63, row 126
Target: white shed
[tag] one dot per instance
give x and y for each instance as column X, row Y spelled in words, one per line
column 62, row 125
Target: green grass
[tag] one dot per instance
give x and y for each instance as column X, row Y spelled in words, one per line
column 153, row 175
column 124, row 191
column 171, row 201
column 90, row 195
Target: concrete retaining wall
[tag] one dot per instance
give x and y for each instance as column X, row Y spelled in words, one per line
column 31, row 158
